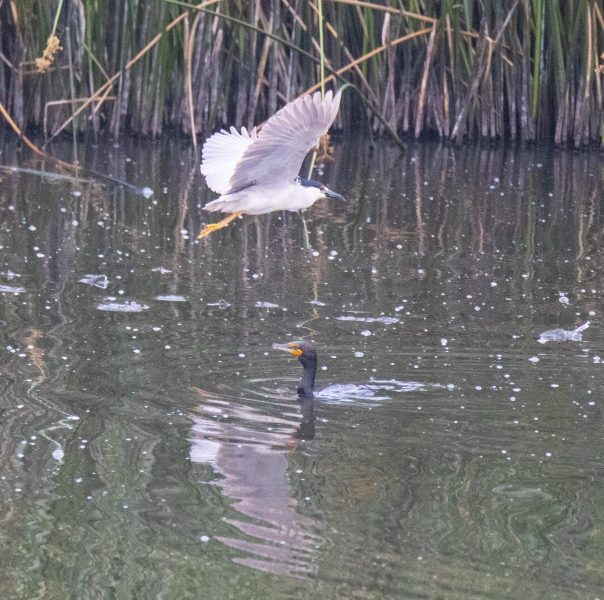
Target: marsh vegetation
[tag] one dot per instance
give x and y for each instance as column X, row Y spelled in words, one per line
column 519, row 69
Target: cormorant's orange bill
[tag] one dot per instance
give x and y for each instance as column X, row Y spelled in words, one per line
column 292, row 348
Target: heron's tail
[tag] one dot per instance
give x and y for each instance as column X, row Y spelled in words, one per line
column 216, row 205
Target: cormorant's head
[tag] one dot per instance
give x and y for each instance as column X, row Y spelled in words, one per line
column 320, row 190
column 305, row 352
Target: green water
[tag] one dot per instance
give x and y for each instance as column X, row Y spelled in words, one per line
column 152, row 445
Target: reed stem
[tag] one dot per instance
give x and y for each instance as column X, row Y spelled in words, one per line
column 461, row 69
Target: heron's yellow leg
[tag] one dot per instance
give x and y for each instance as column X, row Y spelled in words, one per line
column 211, row 227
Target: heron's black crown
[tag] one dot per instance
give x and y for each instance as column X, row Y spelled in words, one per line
column 309, row 182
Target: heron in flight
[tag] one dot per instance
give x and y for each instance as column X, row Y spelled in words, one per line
column 256, row 172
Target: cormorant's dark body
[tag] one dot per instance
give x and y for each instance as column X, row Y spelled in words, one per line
column 306, row 353
column 308, row 358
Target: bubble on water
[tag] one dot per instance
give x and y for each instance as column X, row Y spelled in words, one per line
column 221, row 304
column 100, row 281
column 384, row 320
column 160, row 270
column 359, row 354
column 170, row 298
column 58, row 454
column 146, row 192
column 563, row 299
column 366, row 332
column 127, row 306
column 534, row 359
column 443, row 341
column 12, row 289
column 204, row 538
column 266, row 305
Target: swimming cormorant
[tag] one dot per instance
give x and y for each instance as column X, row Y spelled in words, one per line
column 306, row 353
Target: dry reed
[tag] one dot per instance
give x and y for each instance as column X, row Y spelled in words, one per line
column 518, row 69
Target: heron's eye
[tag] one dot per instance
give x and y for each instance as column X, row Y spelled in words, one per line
column 322, row 188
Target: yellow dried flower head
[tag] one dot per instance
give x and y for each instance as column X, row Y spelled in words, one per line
column 325, row 148
column 53, row 45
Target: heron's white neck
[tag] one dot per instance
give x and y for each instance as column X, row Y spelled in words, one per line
column 307, row 194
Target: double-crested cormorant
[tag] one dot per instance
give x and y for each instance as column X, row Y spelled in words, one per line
column 367, row 393
column 306, row 353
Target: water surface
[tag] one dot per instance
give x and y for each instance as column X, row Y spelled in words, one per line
column 152, row 442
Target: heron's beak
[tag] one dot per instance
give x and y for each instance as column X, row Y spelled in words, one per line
column 331, row 194
column 291, row 348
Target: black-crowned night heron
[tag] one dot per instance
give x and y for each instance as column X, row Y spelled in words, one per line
column 256, row 172
column 306, row 353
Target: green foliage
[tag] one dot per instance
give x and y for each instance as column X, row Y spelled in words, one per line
column 520, row 69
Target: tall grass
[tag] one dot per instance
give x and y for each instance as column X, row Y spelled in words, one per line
column 519, row 69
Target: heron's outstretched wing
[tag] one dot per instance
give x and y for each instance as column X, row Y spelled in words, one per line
column 283, row 142
column 220, row 155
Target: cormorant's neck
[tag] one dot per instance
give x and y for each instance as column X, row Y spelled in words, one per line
column 306, row 431
column 307, row 383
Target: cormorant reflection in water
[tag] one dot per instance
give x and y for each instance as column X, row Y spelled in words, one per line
column 249, row 448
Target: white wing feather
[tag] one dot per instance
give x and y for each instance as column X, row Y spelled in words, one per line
column 279, row 149
column 221, row 153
